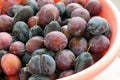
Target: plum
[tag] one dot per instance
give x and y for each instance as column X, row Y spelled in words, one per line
column 65, row 59
column 97, row 25
column 28, row 12
column 52, row 26
column 34, row 43
column 46, row 14
column 35, row 30
column 21, row 31
column 71, row 7
column 77, row 26
column 78, row 45
column 83, row 61
column 10, row 64
column 5, row 23
column 94, row 7
column 42, row 64
column 81, row 12
column 32, row 21
column 99, row 44
column 5, row 40
column 17, row 48
column 55, row 41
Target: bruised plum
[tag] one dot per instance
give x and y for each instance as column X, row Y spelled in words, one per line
column 52, row 26
column 77, row 26
column 41, row 3
column 83, row 61
column 65, row 59
column 43, row 51
column 5, row 40
column 99, row 44
column 81, row 12
column 34, row 43
column 24, row 73
column 55, row 41
column 71, row 7
column 78, row 45
column 5, row 23
column 42, row 64
column 39, row 77
column 94, row 7
column 46, row 14
column 66, row 73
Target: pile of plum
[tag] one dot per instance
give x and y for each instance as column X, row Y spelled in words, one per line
column 44, row 40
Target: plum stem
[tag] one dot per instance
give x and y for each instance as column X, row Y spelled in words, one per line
column 54, row 15
column 37, row 20
column 27, row 66
column 89, row 47
column 58, row 51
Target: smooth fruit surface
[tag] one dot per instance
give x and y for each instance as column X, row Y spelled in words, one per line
column 5, row 40
column 10, row 64
column 55, row 40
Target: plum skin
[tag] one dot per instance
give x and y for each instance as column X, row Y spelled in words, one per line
column 10, row 64
column 55, row 40
column 5, row 40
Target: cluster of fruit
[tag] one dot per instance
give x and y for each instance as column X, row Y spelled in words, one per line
column 44, row 40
